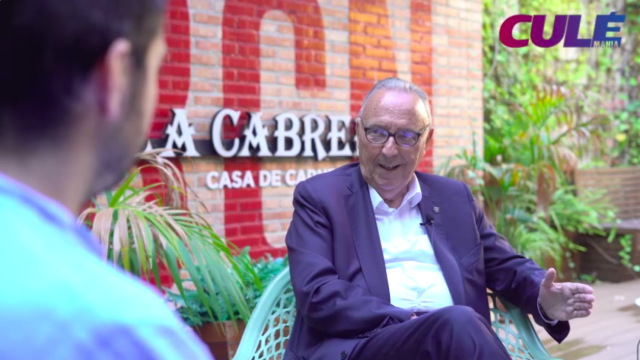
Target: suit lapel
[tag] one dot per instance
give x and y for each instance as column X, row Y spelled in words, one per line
column 365, row 236
column 442, row 251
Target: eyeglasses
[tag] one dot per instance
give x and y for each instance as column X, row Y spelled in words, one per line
column 405, row 138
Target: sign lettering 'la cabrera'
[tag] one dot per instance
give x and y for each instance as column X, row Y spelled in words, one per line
column 293, row 137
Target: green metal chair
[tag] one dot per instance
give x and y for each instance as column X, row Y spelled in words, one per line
column 270, row 324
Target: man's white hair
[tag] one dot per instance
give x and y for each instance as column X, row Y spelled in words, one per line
column 394, row 83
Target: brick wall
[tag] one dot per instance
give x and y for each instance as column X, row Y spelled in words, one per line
column 311, row 56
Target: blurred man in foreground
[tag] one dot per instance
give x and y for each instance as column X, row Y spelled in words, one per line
column 390, row 263
column 78, row 85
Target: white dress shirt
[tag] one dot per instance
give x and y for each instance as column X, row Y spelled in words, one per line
column 416, row 282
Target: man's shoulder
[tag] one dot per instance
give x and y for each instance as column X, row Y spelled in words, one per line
column 47, row 273
column 439, row 180
column 74, row 282
column 444, row 186
column 84, row 308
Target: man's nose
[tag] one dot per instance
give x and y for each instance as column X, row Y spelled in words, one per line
column 390, row 147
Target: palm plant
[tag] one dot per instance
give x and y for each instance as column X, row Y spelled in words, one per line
column 140, row 235
column 523, row 179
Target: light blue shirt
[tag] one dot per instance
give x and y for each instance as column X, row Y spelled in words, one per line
column 60, row 300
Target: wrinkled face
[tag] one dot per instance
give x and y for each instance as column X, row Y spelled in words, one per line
column 385, row 165
column 130, row 100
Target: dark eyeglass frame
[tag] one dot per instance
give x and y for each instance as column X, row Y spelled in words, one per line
column 388, row 134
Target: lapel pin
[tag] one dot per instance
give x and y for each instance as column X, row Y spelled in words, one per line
column 436, row 209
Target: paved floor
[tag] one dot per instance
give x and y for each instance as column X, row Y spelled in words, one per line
column 611, row 332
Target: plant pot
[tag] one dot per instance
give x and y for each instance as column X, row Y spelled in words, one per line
column 602, row 260
column 221, row 338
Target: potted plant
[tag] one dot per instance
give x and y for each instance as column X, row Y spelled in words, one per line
column 142, row 237
column 222, row 334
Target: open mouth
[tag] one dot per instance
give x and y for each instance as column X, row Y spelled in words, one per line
column 389, row 168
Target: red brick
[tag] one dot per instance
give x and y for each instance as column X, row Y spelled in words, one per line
column 267, row 78
column 336, row 13
column 204, row 59
column 401, row 13
column 208, row 45
column 178, row 14
column 216, row 207
column 181, row 85
column 340, row 107
column 296, row 105
column 251, row 205
column 339, row 48
column 378, row 31
column 242, row 218
column 337, row 83
column 373, row 52
column 204, row 72
column 240, row 88
column 171, row 98
column 242, row 35
column 276, row 65
column 363, row 40
column 287, row 80
column 364, row 63
column 376, row 75
column 311, row 68
column 208, row 100
column 240, row 63
column 248, row 76
column 251, row 229
column 363, row 17
column 234, row 9
column 271, row 227
column 277, row 215
column 337, row 25
column 285, row 42
column 231, row 232
column 271, row 204
column 206, row 19
column 199, row 5
column 248, row 102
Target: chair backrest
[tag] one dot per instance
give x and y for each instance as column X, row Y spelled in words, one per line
column 515, row 331
column 270, row 325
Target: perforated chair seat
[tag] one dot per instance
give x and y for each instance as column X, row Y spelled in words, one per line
column 271, row 321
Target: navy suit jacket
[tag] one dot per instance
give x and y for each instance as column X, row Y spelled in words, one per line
column 338, row 273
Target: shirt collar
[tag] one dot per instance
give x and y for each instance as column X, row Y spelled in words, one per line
column 413, row 195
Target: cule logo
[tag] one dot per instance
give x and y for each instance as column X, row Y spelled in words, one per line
column 565, row 27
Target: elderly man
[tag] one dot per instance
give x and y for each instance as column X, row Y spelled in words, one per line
column 387, row 262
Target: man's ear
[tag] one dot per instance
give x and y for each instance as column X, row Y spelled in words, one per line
column 429, row 136
column 357, row 124
column 114, row 74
